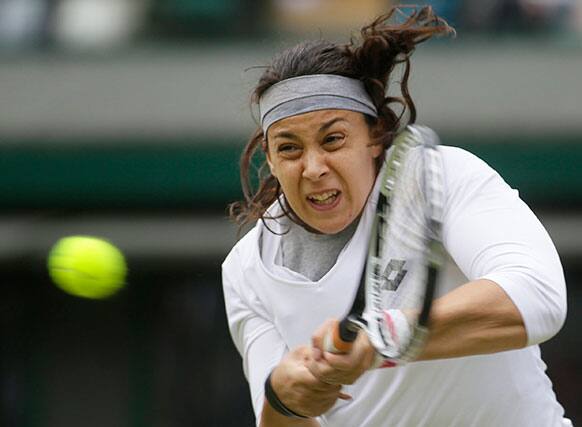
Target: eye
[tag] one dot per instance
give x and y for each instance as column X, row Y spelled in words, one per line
column 333, row 139
column 288, row 149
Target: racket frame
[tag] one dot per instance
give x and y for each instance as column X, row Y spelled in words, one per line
column 368, row 299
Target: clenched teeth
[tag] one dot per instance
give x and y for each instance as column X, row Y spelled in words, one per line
column 324, row 198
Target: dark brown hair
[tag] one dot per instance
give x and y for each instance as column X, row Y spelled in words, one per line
column 383, row 44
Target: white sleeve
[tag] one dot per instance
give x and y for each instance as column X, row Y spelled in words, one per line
column 254, row 336
column 492, row 234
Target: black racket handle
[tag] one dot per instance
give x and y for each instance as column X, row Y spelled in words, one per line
column 341, row 338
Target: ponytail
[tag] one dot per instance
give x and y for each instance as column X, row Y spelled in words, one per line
column 384, row 45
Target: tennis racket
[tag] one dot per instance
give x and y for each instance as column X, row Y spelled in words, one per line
column 404, row 254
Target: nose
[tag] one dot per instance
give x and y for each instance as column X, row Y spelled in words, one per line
column 314, row 165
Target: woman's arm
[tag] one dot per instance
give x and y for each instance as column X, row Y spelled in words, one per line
column 516, row 293
column 270, row 417
column 290, row 382
column 264, row 352
column 512, row 265
column 476, row 318
column 295, row 387
column 299, row 391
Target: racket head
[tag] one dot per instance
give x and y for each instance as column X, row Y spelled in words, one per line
column 405, row 254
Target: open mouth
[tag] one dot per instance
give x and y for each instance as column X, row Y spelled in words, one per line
column 325, row 198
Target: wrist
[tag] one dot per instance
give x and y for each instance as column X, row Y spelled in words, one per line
column 398, row 330
column 276, row 403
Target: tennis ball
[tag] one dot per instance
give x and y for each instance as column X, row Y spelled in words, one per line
column 87, row 267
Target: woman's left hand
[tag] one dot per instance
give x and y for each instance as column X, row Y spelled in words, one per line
column 340, row 368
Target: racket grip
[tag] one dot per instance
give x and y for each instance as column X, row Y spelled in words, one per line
column 341, row 338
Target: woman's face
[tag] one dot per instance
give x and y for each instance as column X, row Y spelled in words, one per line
column 324, row 161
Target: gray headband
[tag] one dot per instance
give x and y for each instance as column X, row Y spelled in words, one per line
column 314, row 92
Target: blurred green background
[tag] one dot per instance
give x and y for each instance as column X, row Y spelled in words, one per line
column 125, row 119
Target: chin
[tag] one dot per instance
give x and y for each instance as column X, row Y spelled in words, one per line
column 331, row 228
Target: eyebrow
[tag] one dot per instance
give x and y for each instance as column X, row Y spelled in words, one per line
column 330, row 123
column 325, row 126
column 285, row 134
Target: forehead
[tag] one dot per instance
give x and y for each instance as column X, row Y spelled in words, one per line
column 314, row 120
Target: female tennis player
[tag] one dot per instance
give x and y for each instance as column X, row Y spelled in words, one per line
column 327, row 121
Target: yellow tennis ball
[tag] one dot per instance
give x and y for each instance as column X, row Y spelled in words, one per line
column 87, row 267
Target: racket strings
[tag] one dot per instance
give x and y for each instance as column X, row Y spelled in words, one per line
column 413, row 191
column 414, row 205
column 405, row 237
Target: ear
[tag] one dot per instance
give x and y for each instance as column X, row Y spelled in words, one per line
column 377, row 150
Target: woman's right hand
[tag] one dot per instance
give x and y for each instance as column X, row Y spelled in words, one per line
column 298, row 389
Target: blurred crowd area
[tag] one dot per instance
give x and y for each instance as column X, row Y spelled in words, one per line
column 42, row 24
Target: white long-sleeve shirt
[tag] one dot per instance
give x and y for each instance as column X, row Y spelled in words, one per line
column 488, row 232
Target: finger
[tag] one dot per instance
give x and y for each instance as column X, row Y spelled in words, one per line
column 317, row 354
column 339, row 362
column 313, row 366
column 334, row 378
column 300, row 352
column 368, row 351
column 323, row 373
column 361, row 355
column 323, row 368
column 320, row 333
column 318, row 375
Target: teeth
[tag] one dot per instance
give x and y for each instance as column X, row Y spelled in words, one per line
column 327, row 197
